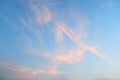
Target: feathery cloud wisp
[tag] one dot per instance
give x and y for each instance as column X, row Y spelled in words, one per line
column 42, row 13
column 27, row 73
column 32, row 34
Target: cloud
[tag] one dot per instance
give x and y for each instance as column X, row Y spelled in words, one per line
column 62, row 28
column 27, row 73
column 79, row 39
column 31, row 50
column 41, row 12
column 71, row 56
column 54, row 72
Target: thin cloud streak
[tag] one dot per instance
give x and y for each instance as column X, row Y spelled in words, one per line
column 71, row 56
column 27, row 73
column 42, row 13
column 62, row 28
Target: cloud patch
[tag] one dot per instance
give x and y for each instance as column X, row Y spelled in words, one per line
column 34, row 37
column 61, row 28
column 42, row 13
column 25, row 73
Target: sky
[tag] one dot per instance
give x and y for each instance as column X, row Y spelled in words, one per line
column 59, row 40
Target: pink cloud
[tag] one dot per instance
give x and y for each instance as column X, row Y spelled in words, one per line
column 76, row 38
column 42, row 13
column 72, row 56
column 38, row 71
column 53, row 72
column 52, row 69
column 27, row 73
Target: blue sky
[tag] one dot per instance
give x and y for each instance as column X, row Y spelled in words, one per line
column 59, row 39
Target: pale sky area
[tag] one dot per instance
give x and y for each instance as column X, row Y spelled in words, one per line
column 59, row 39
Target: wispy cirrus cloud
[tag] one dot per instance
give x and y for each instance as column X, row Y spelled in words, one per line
column 76, row 38
column 71, row 56
column 27, row 73
column 61, row 30
column 34, row 37
column 42, row 13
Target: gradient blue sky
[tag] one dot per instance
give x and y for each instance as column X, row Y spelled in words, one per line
column 59, row 39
